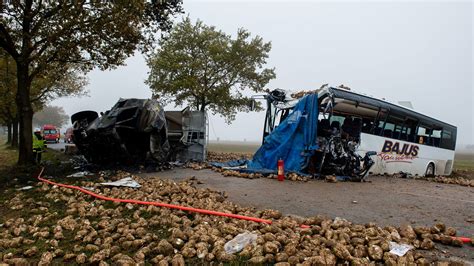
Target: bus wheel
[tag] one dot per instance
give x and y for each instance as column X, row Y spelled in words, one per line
column 430, row 170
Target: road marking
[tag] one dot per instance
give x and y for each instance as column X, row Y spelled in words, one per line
column 431, row 196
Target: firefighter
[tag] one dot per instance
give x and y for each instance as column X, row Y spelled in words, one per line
column 38, row 146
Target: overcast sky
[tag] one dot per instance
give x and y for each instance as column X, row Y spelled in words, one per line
column 415, row 51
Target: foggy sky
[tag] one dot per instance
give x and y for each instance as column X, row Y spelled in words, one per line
column 415, row 51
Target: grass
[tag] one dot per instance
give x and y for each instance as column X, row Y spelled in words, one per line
column 464, row 161
column 234, row 147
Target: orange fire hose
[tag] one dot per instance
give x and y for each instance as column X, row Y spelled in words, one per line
column 178, row 207
column 159, row 204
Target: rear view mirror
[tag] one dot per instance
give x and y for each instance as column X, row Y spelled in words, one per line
column 371, row 153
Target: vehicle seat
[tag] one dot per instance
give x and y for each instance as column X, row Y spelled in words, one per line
column 336, row 125
column 347, row 126
column 396, row 135
column 356, row 127
column 403, row 136
column 324, row 128
column 429, row 141
column 367, row 126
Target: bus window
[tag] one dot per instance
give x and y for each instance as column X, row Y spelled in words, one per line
column 448, row 139
column 367, row 125
column 408, row 131
column 380, row 122
column 388, row 129
column 435, row 137
column 397, row 132
column 392, row 126
column 423, row 134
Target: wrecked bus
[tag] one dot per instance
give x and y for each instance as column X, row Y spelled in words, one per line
column 139, row 130
column 353, row 126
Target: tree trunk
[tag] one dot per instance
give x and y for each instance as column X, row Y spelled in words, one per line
column 203, row 104
column 9, row 133
column 25, row 115
column 14, row 143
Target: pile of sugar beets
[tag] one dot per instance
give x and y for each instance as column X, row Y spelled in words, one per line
column 90, row 230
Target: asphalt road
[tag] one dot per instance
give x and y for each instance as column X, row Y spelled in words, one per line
column 57, row 146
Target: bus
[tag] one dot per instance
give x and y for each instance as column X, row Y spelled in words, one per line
column 404, row 140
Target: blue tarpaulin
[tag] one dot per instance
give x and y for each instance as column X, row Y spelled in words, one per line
column 293, row 141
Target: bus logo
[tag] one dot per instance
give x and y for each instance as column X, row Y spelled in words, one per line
column 397, row 152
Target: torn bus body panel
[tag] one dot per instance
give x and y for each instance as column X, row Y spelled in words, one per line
column 137, row 130
column 322, row 149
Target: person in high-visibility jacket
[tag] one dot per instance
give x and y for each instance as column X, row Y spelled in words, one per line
column 38, row 145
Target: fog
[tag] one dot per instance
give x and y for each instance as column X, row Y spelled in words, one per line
column 402, row 51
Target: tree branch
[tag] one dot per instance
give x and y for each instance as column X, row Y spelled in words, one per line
column 6, row 42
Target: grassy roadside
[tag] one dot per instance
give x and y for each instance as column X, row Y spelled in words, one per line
column 464, row 161
column 12, row 174
column 234, row 147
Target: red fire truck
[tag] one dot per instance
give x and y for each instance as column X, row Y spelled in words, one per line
column 51, row 133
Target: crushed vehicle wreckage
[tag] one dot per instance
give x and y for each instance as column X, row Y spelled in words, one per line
column 297, row 129
column 136, row 130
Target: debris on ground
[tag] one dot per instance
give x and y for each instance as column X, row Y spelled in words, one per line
column 239, row 242
column 88, row 230
column 227, row 156
column 399, row 249
column 197, row 166
column 124, row 182
column 331, row 178
column 453, row 180
column 456, row 180
column 25, row 188
column 80, row 174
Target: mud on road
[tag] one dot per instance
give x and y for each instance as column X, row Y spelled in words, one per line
column 383, row 200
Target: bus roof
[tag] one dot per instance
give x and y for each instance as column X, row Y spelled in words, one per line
column 360, row 98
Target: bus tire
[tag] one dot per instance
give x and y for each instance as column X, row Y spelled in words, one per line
column 430, row 170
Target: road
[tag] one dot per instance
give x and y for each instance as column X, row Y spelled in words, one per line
column 57, row 146
column 385, row 200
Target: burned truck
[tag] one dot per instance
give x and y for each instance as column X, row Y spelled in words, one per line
column 139, row 130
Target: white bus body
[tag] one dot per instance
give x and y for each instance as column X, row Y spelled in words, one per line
column 392, row 162
column 404, row 140
column 395, row 155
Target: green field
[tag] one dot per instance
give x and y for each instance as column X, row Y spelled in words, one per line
column 234, row 146
column 464, row 161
